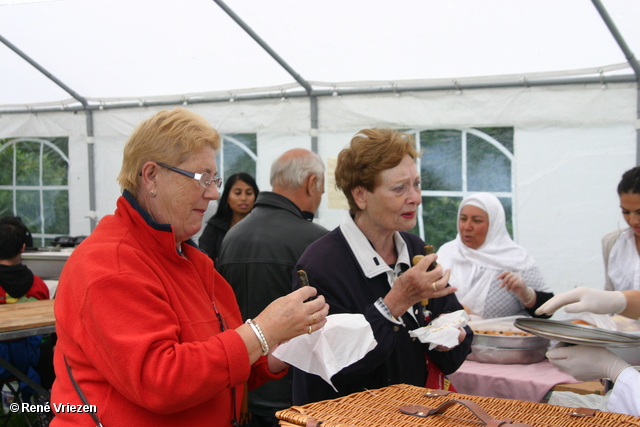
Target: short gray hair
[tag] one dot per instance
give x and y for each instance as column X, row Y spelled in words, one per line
column 290, row 173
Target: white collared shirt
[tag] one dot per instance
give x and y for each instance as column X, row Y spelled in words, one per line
column 370, row 261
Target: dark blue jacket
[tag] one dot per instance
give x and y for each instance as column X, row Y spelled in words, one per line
column 397, row 358
column 257, row 259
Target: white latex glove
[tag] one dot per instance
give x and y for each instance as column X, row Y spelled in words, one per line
column 587, row 363
column 586, row 299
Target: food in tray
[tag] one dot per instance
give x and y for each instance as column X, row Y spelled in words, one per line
column 582, row 322
column 502, row 344
column 504, row 333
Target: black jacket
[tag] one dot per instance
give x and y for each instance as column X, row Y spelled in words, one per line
column 333, row 269
column 212, row 236
column 257, row 258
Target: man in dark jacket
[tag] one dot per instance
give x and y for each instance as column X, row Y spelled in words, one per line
column 259, row 253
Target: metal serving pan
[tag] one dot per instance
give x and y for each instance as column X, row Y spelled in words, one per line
column 509, row 341
column 507, row 356
column 573, row 333
column 508, row 349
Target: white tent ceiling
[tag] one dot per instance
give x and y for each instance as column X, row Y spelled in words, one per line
column 138, row 49
column 534, row 66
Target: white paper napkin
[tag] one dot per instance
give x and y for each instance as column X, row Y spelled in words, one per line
column 345, row 339
column 443, row 330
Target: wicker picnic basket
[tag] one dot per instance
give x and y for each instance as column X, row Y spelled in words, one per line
column 405, row 405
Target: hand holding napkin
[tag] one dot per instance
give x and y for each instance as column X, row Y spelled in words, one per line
column 345, row 339
column 442, row 331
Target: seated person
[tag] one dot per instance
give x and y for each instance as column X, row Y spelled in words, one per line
column 18, row 284
column 495, row 276
column 588, row 363
column 621, row 248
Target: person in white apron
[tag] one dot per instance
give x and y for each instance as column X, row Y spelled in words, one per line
column 588, row 363
column 621, row 248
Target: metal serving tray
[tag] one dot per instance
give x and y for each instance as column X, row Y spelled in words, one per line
column 573, row 333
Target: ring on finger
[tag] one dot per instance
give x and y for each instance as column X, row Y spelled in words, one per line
column 434, row 286
column 313, row 316
column 310, row 330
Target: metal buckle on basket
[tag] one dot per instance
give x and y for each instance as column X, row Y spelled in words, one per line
column 583, row 412
column 434, row 393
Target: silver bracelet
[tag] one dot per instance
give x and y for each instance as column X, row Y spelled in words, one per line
column 531, row 294
column 260, row 335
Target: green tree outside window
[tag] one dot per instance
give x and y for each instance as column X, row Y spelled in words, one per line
column 34, row 185
column 455, row 163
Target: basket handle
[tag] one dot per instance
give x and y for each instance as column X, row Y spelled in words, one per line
column 312, row 422
column 424, row 412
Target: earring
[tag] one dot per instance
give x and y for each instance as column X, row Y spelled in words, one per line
column 153, row 193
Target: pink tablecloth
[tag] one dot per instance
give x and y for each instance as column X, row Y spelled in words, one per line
column 521, row 382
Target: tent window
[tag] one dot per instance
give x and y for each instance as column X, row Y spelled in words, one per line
column 34, row 185
column 458, row 162
column 239, row 154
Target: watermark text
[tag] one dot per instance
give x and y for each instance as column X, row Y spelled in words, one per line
column 57, row 407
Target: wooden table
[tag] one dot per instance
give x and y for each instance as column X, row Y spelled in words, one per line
column 26, row 319
column 23, row 320
column 587, row 387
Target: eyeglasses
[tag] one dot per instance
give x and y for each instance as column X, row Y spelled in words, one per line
column 204, row 179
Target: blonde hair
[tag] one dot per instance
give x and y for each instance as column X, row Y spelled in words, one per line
column 168, row 137
column 370, row 152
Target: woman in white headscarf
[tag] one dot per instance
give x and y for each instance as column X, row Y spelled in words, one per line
column 495, row 276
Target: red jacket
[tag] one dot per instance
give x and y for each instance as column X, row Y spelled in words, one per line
column 38, row 290
column 137, row 325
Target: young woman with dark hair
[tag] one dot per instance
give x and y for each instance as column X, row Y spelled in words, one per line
column 237, row 200
column 621, row 248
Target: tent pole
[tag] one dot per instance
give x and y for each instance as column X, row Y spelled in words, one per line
column 314, row 123
column 44, row 71
column 305, row 84
column 93, row 219
column 345, row 91
column 618, row 37
column 307, row 87
column 88, row 114
column 630, row 58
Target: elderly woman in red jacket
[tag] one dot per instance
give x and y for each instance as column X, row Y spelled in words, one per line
column 147, row 330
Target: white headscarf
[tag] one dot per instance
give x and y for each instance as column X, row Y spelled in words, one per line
column 473, row 270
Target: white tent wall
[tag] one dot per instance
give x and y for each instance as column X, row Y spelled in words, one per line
column 279, row 126
column 571, row 143
column 566, row 199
